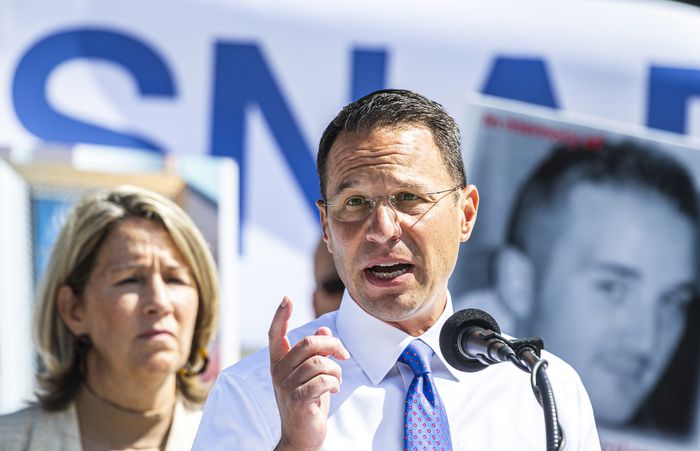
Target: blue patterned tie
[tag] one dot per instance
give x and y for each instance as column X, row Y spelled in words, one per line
column 425, row 419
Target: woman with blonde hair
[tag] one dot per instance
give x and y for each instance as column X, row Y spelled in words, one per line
column 127, row 307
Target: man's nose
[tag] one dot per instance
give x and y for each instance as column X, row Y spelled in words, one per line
column 384, row 223
column 639, row 324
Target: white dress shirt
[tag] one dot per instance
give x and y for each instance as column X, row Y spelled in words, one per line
column 493, row 409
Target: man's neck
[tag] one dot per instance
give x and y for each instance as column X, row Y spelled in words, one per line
column 420, row 323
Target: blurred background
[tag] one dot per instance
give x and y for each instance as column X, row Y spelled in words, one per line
column 220, row 104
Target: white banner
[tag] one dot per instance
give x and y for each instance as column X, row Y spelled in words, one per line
column 259, row 81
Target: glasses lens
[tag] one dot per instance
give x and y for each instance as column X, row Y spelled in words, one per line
column 358, row 207
column 354, row 208
column 411, row 204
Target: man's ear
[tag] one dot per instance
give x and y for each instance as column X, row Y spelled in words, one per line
column 515, row 281
column 323, row 217
column 71, row 310
column 470, row 206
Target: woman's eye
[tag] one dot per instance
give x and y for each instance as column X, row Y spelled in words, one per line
column 178, row 278
column 127, row 281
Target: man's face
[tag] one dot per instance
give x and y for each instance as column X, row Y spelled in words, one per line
column 395, row 268
column 613, row 294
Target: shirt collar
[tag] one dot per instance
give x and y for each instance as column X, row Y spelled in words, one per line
column 376, row 345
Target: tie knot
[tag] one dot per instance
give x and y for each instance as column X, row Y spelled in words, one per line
column 417, row 355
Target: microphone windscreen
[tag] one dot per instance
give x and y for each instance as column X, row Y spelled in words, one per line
column 450, row 337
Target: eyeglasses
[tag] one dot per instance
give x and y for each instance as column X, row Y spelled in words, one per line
column 357, row 207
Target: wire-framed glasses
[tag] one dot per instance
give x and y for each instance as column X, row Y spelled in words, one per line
column 357, row 207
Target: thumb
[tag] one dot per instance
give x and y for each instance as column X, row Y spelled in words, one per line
column 323, row 330
column 339, row 351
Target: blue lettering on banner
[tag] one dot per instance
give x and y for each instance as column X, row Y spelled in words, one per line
column 523, row 79
column 242, row 78
column 368, row 72
column 670, row 89
column 29, row 90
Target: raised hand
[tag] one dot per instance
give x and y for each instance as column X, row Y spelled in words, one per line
column 303, row 377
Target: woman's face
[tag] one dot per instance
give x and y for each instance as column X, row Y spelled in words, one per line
column 140, row 302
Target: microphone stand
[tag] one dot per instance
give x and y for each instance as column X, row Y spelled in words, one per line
column 528, row 359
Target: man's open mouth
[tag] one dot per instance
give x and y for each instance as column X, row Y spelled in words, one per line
column 389, row 271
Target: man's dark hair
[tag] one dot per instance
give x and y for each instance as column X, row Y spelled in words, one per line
column 623, row 165
column 395, row 108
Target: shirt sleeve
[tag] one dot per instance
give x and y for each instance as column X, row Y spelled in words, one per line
column 237, row 416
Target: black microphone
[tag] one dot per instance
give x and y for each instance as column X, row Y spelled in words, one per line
column 470, row 340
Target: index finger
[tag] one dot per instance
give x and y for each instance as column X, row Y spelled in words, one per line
column 277, row 335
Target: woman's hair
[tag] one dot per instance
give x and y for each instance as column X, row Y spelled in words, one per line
column 71, row 262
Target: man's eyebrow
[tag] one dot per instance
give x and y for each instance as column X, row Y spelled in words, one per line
column 619, row 269
column 409, row 184
column 345, row 185
column 404, row 184
column 627, row 272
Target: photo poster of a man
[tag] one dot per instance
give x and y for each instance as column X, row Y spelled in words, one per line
column 587, row 236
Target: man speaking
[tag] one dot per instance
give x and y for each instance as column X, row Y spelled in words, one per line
column 395, row 207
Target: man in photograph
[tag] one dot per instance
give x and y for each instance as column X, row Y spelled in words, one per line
column 600, row 261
